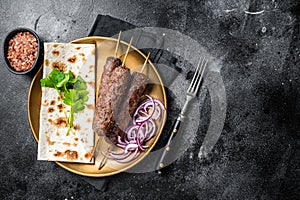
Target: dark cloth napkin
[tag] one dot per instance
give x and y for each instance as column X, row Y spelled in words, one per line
column 105, row 25
column 108, row 26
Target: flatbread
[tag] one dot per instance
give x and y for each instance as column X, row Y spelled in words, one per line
column 54, row 144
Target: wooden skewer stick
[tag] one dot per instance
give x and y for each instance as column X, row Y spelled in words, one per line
column 104, row 159
column 117, row 46
column 144, row 65
column 94, row 148
column 115, row 54
column 127, row 51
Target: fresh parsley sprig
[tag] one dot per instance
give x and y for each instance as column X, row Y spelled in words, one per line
column 73, row 89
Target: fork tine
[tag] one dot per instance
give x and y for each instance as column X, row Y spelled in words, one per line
column 195, row 75
column 199, row 79
column 199, row 72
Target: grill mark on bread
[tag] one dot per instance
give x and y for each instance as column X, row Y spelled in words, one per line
column 70, row 154
column 52, row 103
column 59, row 122
column 49, row 141
column 55, row 52
column 72, row 59
column 51, row 110
column 76, row 127
column 60, row 107
column 45, row 104
column 59, row 65
column 88, row 155
column 67, row 144
column 46, row 62
column 91, row 83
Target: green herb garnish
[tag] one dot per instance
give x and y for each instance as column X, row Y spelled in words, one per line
column 73, row 89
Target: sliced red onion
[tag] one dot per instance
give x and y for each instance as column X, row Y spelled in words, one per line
column 116, row 156
column 131, row 132
column 151, row 132
column 126, row 141
column 120, row 141
column 132, row 142
column 144, row 106
column 142, row 112
column 142, row 130
column 160, row 103
column 157, row 113
column 121, row 145
column 139, row 144
column 119, row 157
column 130, row 147
column 134, row 155
column 139, row 108
column 116, row 153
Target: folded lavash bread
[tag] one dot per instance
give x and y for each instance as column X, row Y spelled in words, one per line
column 54, row 144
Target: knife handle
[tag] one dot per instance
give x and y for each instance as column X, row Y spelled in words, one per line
column 167, row 148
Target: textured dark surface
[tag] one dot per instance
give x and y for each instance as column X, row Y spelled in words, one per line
column 257, row 156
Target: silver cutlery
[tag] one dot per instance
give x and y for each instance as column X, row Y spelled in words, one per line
column 191, row 94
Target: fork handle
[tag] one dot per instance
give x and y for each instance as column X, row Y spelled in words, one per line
column 167, row 148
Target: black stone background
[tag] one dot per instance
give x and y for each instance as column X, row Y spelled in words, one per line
column 257, row 156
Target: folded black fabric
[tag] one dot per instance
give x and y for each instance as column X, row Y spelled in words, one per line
column 108, row 26
column 105, row 25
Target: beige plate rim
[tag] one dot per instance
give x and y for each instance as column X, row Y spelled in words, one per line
column 61, row 164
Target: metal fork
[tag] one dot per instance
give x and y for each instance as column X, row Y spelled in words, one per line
column 191, row 93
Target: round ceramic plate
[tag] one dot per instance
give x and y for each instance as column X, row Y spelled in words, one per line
column 104, row 47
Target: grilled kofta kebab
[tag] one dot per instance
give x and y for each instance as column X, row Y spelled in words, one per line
column 109, row 98
column 118, row 97
column 110, row 65
column 137, row 87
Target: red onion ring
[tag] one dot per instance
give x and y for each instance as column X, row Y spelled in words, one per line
column 143, row 129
